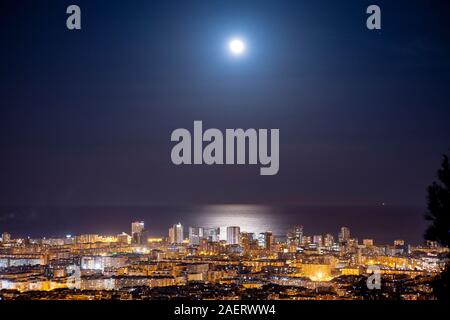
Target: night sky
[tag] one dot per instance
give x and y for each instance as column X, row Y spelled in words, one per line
column 86, row 116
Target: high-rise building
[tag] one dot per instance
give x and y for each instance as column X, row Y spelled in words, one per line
column 176, row 233
column 6, row 237
column 137, row 232
column 144, row 235
column 368, row 242
column 344, row 234
column 233, row 235
column 265, row 240
column 328, row 240
column 295, row 235
column 222, row 233
column 195, row 234
column 399, row 243
column 248, row 240
column 140, row 237
column 317, row 239
column 137, row 227
column 123, row 238
column 211, row 234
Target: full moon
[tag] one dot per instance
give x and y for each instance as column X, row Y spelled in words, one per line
column 237, row 46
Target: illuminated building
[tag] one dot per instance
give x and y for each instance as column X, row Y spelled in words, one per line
column 248, row 241
column 54, row 242
column 233, row 233
column 123, row 238
column 306, row 240
column 328, row 240
column 138, row 233
column 265, row 240
column 399, row 243
column 197, row 272
column 222, row 233
column 316, row 272
column 22, row 260
column 207, row 247
column 6, row 237
column 176, row 233
column 351, row 271
column 344, row 234
column 352, row 242
column 102, row 262
column 317, row 239
column 87, row 238
column 195, row 234
column 295, row 236
column 208, row 267
column 141, row 237
column 119, row 282
column 211, row 234
column 137, row 227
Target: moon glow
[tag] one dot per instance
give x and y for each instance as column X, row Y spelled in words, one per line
column 236, row 46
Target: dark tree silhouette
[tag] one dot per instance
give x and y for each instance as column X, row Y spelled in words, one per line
column 439, row 230
column 439, row 206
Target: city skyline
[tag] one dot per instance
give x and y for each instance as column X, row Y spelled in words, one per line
column 381, row 222
column 298, row 266
column 230, row 234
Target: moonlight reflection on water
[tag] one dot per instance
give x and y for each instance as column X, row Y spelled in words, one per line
column 251, row 218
